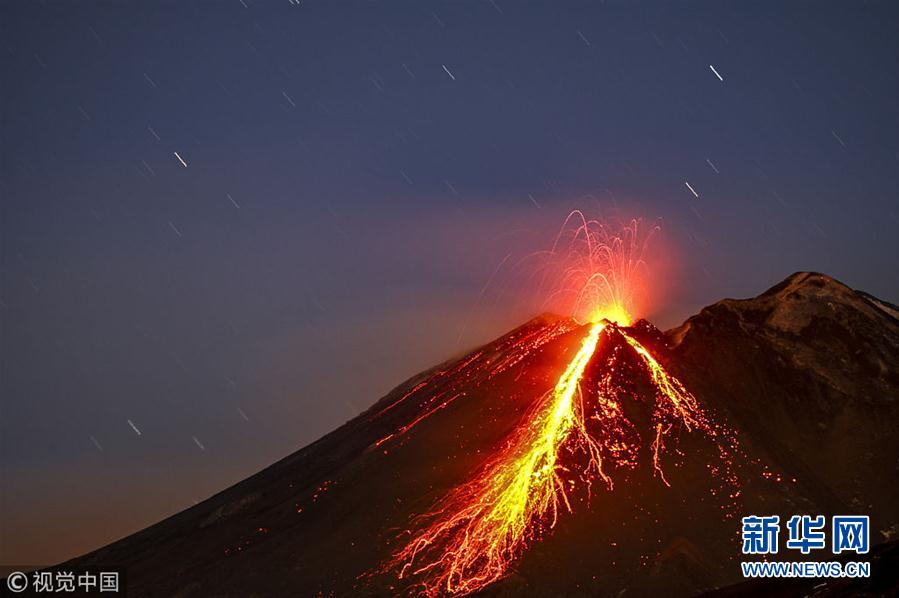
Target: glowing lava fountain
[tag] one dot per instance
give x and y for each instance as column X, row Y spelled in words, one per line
column 595, row 271
column 577, row 434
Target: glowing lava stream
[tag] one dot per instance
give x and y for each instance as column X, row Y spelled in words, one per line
column 497, row 509
column 572, row 438
column 480, row 527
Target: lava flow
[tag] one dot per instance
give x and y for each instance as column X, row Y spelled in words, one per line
column 481, row 527
column 583, row 431
column 486, row 522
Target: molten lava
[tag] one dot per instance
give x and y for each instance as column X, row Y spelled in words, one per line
column 580, row 432
column 485, row 523
column 594, row 271
column 482, row 526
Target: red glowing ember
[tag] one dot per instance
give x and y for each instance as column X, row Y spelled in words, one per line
column 579, row 433
column 595, row 271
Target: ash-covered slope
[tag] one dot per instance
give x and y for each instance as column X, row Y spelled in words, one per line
column 804, row 376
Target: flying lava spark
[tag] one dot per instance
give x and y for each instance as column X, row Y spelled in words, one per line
column 596, row 271
column 578, row 434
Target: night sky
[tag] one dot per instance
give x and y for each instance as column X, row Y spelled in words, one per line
column 229, row 227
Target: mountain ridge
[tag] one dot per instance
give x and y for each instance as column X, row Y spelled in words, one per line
column 325, row 515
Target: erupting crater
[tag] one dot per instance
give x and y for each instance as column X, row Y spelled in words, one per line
column 614, row 407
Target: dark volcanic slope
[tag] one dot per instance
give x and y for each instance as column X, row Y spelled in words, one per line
column 809, row 372
column 884, row 581
column 317, row 519
column 805, row 373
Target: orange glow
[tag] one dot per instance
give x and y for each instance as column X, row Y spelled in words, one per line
column 614, row 313
column 596, row 271
column 479, row 528
column 579, row 434
column 445, row 386
column 487, row 522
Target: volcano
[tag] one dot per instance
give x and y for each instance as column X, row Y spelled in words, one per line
column 566, row 459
